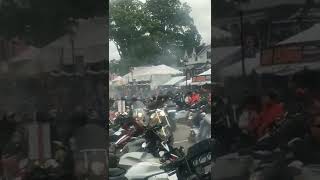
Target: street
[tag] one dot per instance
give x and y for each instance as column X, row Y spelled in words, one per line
column 181, row 136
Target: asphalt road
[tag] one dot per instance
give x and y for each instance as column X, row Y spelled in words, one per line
column 181, row 136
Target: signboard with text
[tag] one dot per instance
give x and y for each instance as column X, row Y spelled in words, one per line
column 290, row 54
column 198, row 79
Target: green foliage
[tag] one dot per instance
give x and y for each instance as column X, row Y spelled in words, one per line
column 42, row 21
column 153, row 32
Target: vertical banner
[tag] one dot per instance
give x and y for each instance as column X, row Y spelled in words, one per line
column 39, row 141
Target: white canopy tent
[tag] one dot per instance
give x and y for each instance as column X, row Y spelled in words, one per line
column 287, row 69
column 184, row 83
column 235, row 70
column 118, row 81
column 219, row 33
column 175, row 80
column 206, row 73
column 26, row 63
column 309, row 35
column 222, row 54
column 156, row 74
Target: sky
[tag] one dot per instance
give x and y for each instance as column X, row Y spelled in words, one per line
column 201, row 14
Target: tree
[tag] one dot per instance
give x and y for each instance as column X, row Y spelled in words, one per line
column 153, row 32
column 42, row 21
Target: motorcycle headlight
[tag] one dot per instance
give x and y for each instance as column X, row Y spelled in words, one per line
column 140, row 115
column 152, row 116
column 161, row 153
column 162, row 113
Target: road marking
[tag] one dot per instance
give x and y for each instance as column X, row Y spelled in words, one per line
column 178, row 142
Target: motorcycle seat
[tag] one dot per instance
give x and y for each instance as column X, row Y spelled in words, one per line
column 113, row 172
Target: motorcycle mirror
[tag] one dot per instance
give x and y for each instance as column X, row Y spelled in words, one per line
column 162, row 113
column 161, row 153
column 144, row 145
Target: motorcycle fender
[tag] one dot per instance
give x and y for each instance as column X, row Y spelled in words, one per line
column 145, row 170
column 132, row 158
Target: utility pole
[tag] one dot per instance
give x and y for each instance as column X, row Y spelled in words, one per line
column 242, row 44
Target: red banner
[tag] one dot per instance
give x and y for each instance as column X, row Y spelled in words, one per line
column 281, row 55
column 199, row 79
column 290, row 54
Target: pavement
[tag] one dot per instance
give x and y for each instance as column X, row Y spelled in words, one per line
column 181, row 136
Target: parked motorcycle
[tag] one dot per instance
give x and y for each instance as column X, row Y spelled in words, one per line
column 196, row 164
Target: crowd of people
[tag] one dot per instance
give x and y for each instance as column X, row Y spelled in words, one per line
column 257, row 115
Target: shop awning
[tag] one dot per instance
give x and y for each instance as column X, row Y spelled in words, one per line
column 309, row 35
column 287, row 69
column 184, row 83
column 206, row 73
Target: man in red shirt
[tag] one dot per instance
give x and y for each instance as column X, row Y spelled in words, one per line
column 195, row 98
column 272, row 110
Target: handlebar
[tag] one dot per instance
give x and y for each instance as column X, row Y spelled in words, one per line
column 173, row 164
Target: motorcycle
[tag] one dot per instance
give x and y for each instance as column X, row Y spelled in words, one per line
column 149, row 142
column 196, row 164
column 159, row 117
column 152, row 147
column 125, row 134
column 142, row 165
